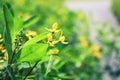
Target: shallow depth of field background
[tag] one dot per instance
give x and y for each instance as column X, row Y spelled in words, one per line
column 92, row 28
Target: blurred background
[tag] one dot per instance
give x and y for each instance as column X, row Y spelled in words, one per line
column 92, row 28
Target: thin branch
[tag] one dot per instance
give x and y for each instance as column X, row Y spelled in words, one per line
column 31, row 69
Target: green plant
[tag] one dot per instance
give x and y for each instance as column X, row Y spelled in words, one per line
column 115, row 8
column 31, row 34
column 23, row 52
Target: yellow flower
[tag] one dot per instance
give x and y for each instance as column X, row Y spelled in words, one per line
column 62, row 40
column 97, row 55
column 3, row 51
column 30, row 34
column 1, row 47
column 0, row 35
column 52, row 32
column 54, row 51
column 33, row 33
column 84, row 44
column 52, row 43
column 94, row 48
column 50, row 37
column 54, row 28
column 1, row 40
column 50, row 40
column 55, row 42
column 82, row 38
column 5, row 57
column 1, row 60
column 1, row 67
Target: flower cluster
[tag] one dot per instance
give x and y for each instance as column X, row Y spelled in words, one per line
column 55, row 36
column 52, row 35
column 96, row 52
column 30, row 34
column 3, row 52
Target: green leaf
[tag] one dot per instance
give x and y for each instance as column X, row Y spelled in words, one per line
column 59, row 63
column 8, row 30
column 18, row 24
column 32, row 53
column 36, row 39
column 8, row 21
column 49, row 65
column 32, row 20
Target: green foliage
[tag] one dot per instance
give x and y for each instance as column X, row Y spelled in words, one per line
column 31, row 21
column 33, row 46
column 29, row 52
column 36, row 39
column 20, row 49
column 116, row 8
column 8, row 30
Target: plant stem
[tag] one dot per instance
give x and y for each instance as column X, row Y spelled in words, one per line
column 12, row 57
column 49, row 65
column 31, row 69
column 6, row 76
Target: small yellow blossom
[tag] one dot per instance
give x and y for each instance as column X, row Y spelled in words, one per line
column 50, row 37
column 55, row 51
column 97, row 55
column 3, row 51
column 0, row 35
column 84, row 44
column 30, row 34
column 82, row 38
column 62, row 40
column 54, row 28
column 33, row 33
column 5, row 57
column 94, row 48
column 1, row 40
column 1, row 61
column 1, row 67
column 50, row 40
column 52, row 33
column 52, row 43
column 1, row 47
